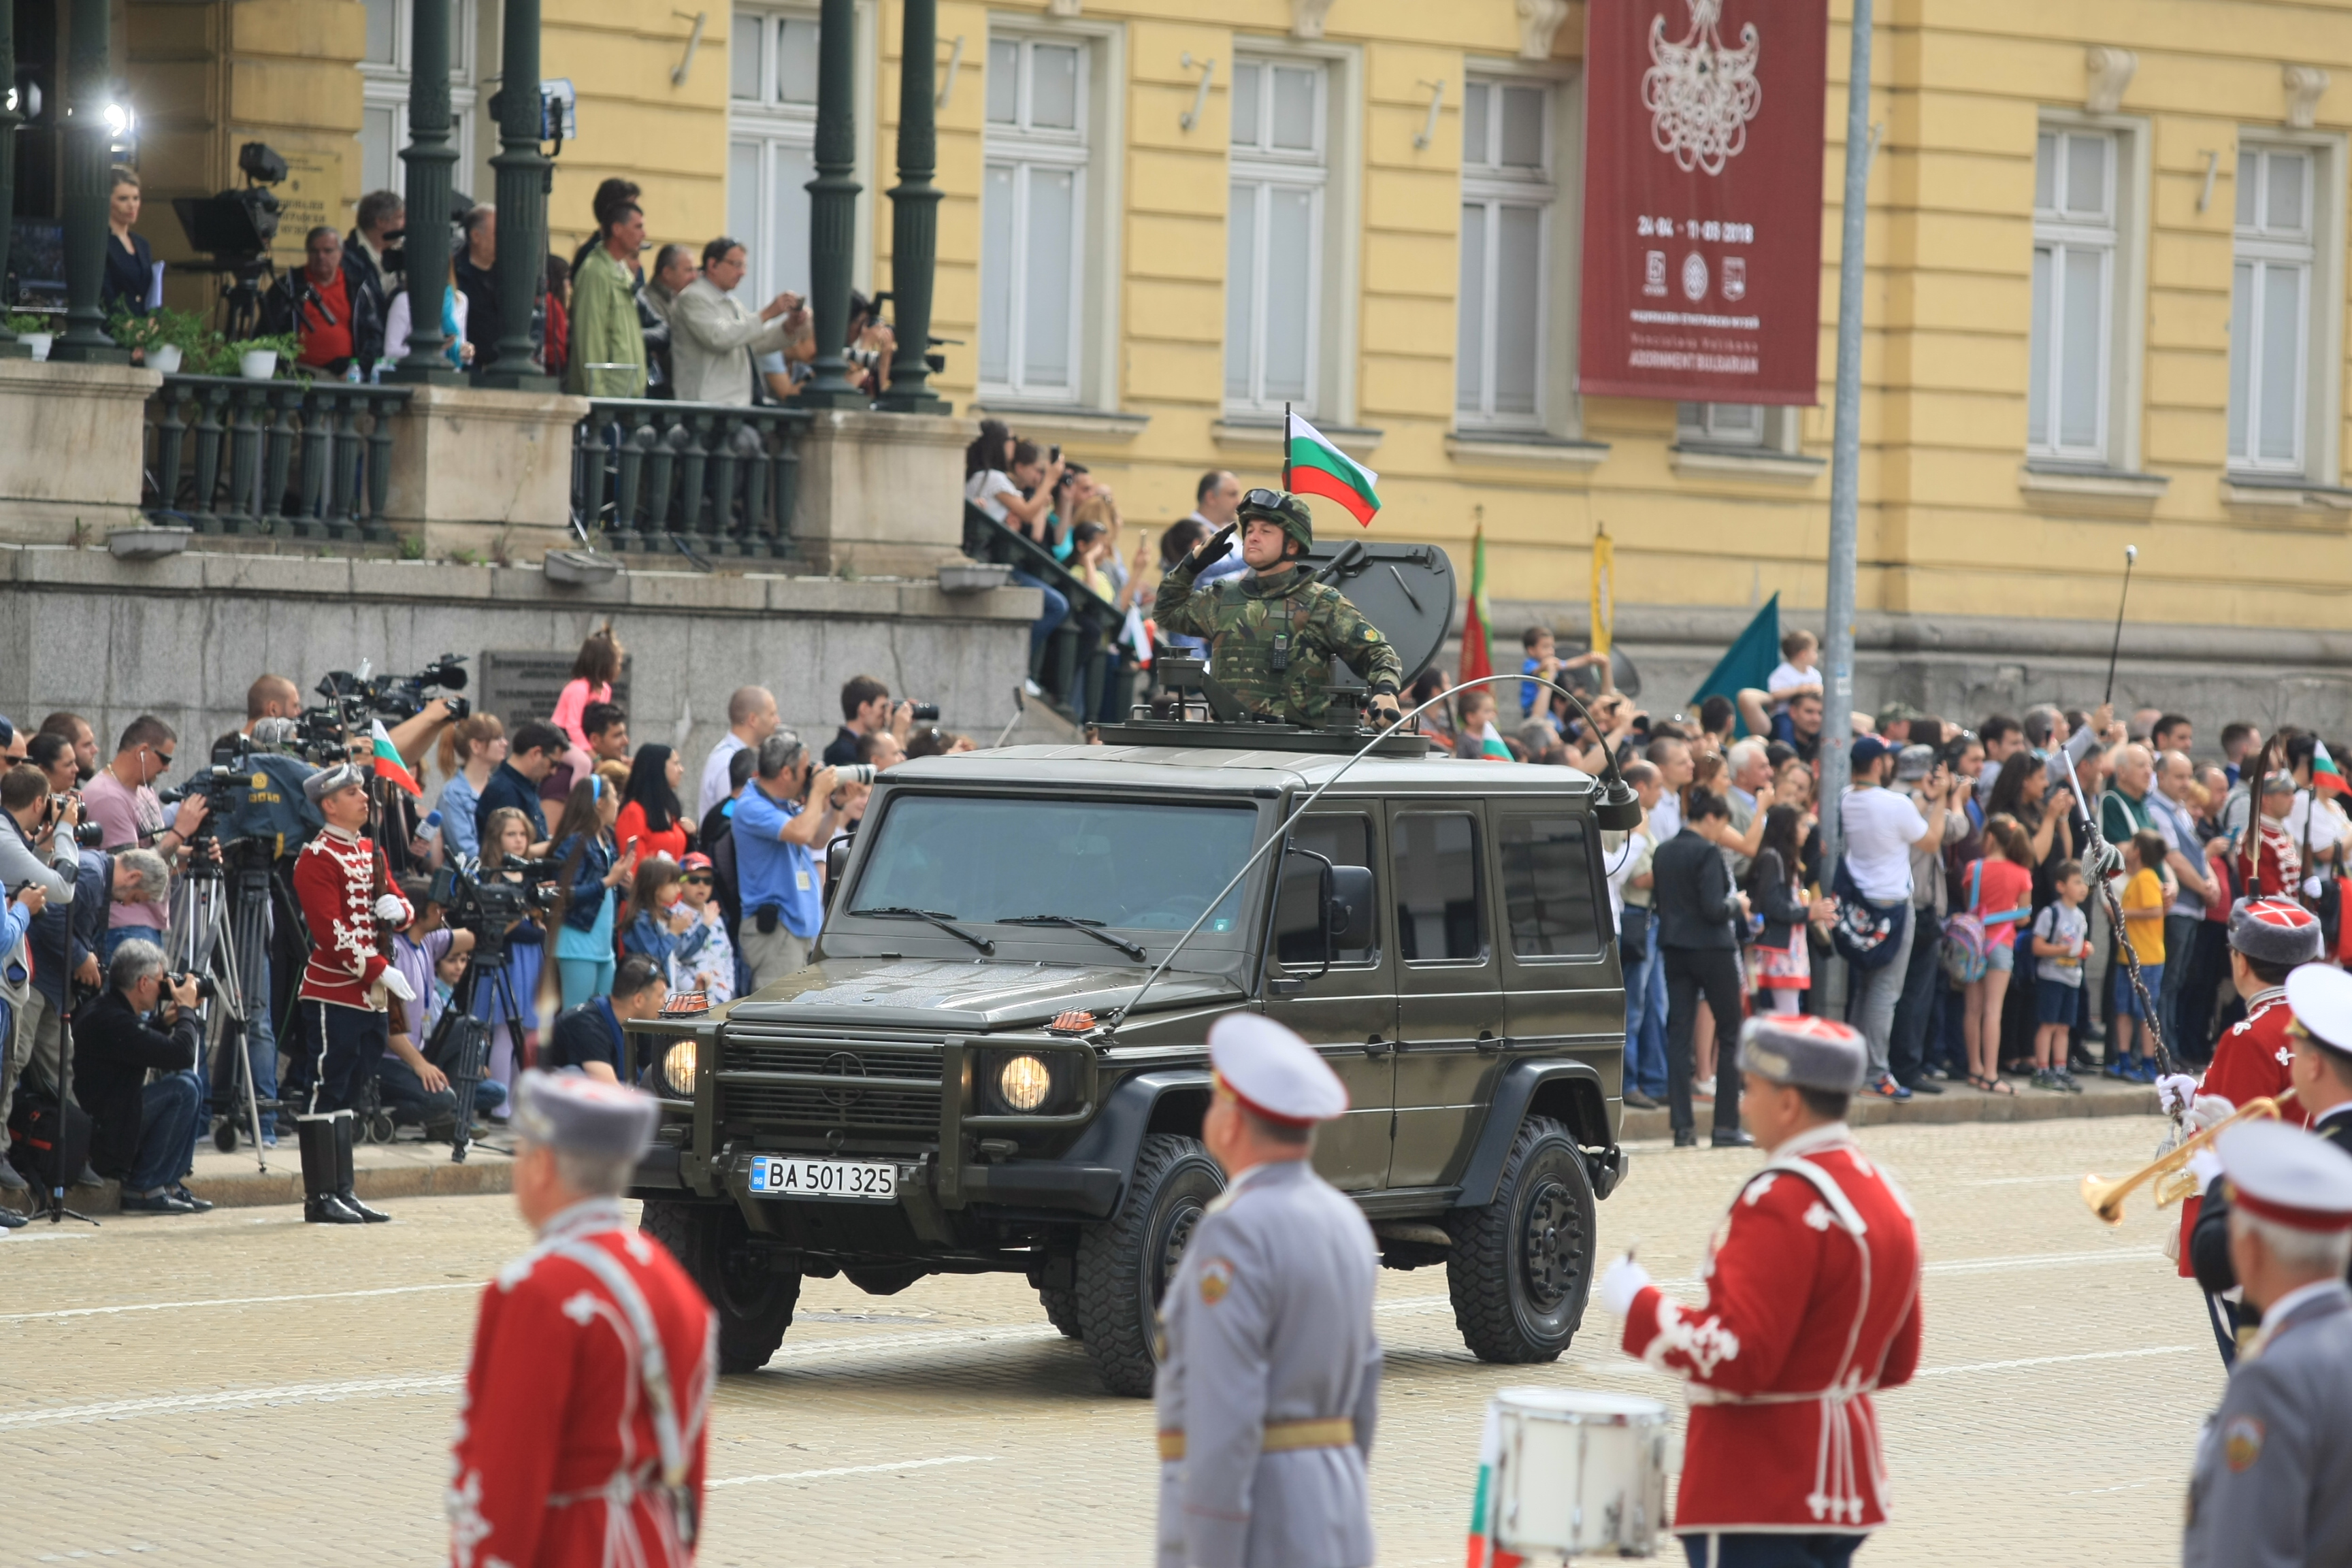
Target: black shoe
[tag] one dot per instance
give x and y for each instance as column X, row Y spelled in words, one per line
column 154, row 1203
column 1924, row 1085
column 1686, row 1139
column 201, row 1206
column 1637, row 1100
column 345, row 1130
column 328, row 1209
column 1733, row 1138
column 10, row 1219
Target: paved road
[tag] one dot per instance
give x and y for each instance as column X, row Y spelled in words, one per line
column 239, row 1389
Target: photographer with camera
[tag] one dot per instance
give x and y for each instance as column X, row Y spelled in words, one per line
column 369, row 258
column 865, row 708
column 593, row 1036
column 781, row 818
column 351, row 908
column 142, row 1134
column 417, row 1091
column 514, row 784
column 122, row 801
column 42, row 839
column 340, row 324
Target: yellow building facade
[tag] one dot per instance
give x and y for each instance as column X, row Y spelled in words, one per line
column 2106, row 293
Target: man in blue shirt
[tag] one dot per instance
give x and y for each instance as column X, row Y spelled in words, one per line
column 775, row 835
column 594, row 1037
column 533, row 754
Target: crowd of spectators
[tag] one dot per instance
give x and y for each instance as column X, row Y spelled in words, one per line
column 1966, row 906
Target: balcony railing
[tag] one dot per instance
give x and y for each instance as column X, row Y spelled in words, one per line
column 717, row 477
column 291, row 458
column 1085, row 670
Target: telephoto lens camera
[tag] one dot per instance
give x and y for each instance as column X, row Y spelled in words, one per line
column 925, row 712
column 355, row 695
column 85, row 835
column 853, row 773
column 205, row 988
column 487, row 904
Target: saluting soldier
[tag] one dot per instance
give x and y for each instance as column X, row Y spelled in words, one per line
column 1269, row 1380
column 1274, row 632
column 2273, row 1485
column 581, row 1437
column 1813, row 1286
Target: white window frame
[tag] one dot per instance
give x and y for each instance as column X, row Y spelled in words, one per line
column 771, row 124
column 2318, row 254
column 1025, row 149
column 385, row 87
column 2121, row 240
column 1334, row 173
column 1490, row 186
column 1265, row 169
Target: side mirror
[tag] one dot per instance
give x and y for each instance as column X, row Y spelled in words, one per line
column 1348, row 906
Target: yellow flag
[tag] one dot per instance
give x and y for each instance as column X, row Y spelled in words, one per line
column 1604, row 589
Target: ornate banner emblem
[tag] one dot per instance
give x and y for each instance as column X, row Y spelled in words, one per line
column 1701, row 95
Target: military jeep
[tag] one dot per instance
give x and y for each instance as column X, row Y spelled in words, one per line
column 973, row 1075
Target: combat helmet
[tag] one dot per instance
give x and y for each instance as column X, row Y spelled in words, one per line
column 1284, row 511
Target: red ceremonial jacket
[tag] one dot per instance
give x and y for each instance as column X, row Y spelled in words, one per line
column 558, row 1459
column 2249, row 1062
column 337, row 877
column 1812, row 1285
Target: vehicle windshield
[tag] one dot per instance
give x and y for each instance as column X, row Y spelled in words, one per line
column 1140, row 865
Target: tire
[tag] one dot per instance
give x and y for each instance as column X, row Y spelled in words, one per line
column 1061, row 1303
column 1521, row 1266
column 1125, row 1262
column 754, row 1302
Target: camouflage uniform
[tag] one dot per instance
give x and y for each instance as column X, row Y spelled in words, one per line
column 1244, row 616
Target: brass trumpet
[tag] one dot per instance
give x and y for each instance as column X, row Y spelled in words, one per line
column 2106, row 1198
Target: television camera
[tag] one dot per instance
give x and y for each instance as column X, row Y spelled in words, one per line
column 323, row 733
column 235, row 230
column 479, row 900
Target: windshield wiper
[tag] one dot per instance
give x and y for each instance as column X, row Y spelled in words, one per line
column 945, row 922
column 1092, row 928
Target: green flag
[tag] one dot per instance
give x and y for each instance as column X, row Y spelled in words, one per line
column 1748, row 662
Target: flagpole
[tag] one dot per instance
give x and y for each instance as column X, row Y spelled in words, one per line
column 1286, row 446
column 1845, row 471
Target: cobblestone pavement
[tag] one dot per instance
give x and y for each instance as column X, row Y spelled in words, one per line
column 238, row 1388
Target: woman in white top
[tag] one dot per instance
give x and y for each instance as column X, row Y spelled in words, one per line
column 399, row 322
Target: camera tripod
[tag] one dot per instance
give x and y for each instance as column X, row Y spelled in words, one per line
column 460, row 1045
column 220, row 927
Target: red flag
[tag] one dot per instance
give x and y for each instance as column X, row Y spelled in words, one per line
column 1477, row 630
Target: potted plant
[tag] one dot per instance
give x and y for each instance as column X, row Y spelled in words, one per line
column 163, row 338
column 258, row 359
column 36, row 332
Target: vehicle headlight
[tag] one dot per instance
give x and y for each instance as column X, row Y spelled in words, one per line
column 1024, row 1082
column 677, row 1069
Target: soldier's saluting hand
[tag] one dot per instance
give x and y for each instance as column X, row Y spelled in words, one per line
column 1274, row 632
column 1270, row 1380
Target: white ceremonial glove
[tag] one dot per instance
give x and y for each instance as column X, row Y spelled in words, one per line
column 389, row 907
column 2176, row 1091
column 1621, row 1283
column 2311, row 887
column 2210, row 1111
column 397, row 983
column 2204, row 1165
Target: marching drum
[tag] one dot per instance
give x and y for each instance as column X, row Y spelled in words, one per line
column 1579, row 1472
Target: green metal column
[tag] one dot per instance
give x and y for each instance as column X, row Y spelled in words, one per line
column 914, row 216
column 429, row 156
column 87, row 145
column 523, row 177
column 833, row 207
column 9, row 120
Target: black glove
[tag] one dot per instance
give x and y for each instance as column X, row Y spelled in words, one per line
column 1220, row 545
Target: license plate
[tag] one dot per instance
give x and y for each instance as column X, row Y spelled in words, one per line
column 788, row 1178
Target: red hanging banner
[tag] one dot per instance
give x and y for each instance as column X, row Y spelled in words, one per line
column 1703, row 215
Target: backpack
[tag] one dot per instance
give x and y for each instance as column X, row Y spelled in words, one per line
column 1964, row 937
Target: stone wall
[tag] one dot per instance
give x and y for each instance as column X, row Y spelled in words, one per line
column 1963, row 668
column 182, row 637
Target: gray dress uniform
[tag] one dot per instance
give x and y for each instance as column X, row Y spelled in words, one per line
column 2273, row 1487
column 1269, row 1386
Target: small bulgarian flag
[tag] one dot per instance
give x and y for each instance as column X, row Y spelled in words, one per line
column 2325, row 773
column 1483, row 1552
column 1311, row 466
column 1477, row 622
column 388, row 765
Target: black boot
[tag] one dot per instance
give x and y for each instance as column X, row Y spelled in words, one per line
column 345, row 1122
column 316, row 1137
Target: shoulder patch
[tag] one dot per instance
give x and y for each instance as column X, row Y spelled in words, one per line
column 1217, row 1279
column 2242, row 1443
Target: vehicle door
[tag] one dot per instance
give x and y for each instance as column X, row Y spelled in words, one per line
column 1563, row 993
column 1347, row 1012
column 1449, row 986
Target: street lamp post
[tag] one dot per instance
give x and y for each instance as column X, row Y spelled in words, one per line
column 429, row 157
column 833, row 207
column 87, row 142
column 9, row 120
column 914, row 217
column 1845, row 466
column 524, row 174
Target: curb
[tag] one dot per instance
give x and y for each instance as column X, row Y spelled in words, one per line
column 255, row 1189
column 1955, row 1104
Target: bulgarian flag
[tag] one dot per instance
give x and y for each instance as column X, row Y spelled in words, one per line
column 1483, row 1552
column 1313, row 467
column 1477, row 623
column 2325, row 773
column 388, row 765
